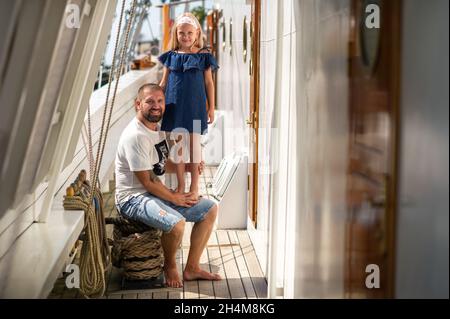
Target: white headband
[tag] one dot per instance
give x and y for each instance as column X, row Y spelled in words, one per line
column 187, row 20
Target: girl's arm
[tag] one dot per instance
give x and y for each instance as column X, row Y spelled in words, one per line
column 209, row 84
column 163, row 82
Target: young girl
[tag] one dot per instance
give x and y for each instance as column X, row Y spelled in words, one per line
column 188, row 84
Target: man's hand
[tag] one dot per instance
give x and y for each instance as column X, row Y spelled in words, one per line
column 184, row 200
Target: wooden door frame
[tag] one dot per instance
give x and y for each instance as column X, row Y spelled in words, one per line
column 212, row 29
column 394, row 21
column 254, row 103
column 395, row 100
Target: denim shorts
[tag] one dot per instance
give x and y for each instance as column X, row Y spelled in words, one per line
column 161, row 214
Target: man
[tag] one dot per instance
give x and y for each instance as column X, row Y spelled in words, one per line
column 141, row 161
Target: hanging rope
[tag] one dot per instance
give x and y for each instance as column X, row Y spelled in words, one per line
column 90, row 154
column 95, row 255
column 95, row 245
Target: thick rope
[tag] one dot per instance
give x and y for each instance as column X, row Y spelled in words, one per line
column 94, row 255
column 137, row 249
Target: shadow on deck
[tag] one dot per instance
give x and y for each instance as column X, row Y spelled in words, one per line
column 229, row 253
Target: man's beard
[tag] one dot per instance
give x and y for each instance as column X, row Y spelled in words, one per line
column 152, row 118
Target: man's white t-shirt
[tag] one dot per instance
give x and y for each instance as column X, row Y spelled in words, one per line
column 139, row 149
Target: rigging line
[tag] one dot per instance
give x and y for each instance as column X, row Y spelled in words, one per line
column 90, row 154
column 150, row 27
column 119, row 73
column 111, row 72
column 85, row 139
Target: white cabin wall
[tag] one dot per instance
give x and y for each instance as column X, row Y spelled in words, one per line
column 308, row 169
column 233, row 80
column 287, row 213
column 310, row 117
column 266, row 106
column 304, row 186
column 233, row 96
column 277, row 147
column 275, row 197
column 321, row 31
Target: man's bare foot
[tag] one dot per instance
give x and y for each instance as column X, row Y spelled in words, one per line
column 172, row 278
column 200, row 274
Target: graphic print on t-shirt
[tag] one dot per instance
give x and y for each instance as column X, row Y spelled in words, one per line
column 163, row 153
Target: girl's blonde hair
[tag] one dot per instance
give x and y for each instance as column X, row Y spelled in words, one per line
column 199, row 43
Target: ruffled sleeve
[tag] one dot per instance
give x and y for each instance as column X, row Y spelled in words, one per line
column 165, row 58
column 183, row 62
column 211, row 62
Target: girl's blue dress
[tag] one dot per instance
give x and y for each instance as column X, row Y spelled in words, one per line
column 185, row 91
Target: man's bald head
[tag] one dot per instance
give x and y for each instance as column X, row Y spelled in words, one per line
column 150, row 103
column 151, row 87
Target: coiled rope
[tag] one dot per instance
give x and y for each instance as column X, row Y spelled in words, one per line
column 137, row 249
column 95, row 254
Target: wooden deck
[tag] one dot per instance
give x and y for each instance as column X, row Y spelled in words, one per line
column 229, row 253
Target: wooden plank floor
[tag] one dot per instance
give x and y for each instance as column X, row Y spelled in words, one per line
column 229, row 253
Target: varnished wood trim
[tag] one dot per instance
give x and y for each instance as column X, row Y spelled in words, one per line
column 254, row 96
column 396, row 53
